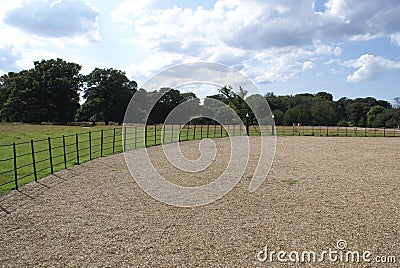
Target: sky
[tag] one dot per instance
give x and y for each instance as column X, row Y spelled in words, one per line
column 350, row 48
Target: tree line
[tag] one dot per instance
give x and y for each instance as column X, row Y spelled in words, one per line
column 50, row 92
column 321, row 109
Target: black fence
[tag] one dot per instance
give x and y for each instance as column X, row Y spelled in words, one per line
column 24, row 162
column 334, row 131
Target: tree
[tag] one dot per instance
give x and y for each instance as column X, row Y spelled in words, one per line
column 392, row 118
column 298, row 114
column 341, row 108
column 236, row 100
column 107, row 93
column 397, row 102
column 324, row 96
column 61, row 81
column 48, row 92
column 375, row 116
column 323, row 113
column 282, row 103
column 168, row 99
column 355, row 113
column 278, row 117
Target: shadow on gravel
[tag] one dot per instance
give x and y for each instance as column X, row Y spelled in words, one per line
column 17, row 199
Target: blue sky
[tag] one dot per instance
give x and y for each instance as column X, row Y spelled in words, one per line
column 346, row 47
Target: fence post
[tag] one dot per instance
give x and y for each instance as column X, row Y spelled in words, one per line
column 101, row 142
column 187, row 131
column 327, row 131
column 179, row 134
column 145, row 135
column 320, row 131
column 90, row 145
column 64, row 152
column 234, row 130
column 201, row 131
column 155, row 134
column 50, row 156
column 124, row 139
column 77, row 148
column 384, row 132
column 113, row 143
column 346, row 131
column 293, row 130
column 135, row 136
column 215, row 129
column 172, row 133
column 194, row 132
column 365, row 130
column 33, row 160
column 208, row 129
column 163, row 133
column 15, row 166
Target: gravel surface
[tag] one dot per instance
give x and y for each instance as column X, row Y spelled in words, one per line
column 319, row 191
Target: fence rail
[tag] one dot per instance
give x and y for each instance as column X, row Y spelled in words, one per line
column 24, row 162
column 332, row 131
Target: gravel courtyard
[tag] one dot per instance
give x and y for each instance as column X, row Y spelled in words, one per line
column 319, row 191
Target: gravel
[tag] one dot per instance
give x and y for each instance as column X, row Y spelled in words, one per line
column 319, row 191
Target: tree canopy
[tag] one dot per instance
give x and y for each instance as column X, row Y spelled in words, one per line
column 50, row 92
column 107, row 93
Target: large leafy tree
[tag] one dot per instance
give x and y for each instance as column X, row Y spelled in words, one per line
column 376, row 116
column 48, row 92
column 166, row 100
column 298, row 114
column 236, row 100
column 323, row 113
column 107, row 93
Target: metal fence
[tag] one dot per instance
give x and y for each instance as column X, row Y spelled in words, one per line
column 24, row 162
column 332, row 131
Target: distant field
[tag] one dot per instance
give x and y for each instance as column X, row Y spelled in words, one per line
column 10, row 133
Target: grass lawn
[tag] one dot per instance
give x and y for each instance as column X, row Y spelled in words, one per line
column 22, row 134
column 71, row 145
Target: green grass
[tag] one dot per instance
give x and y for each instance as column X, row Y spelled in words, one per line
column 22, row 134
column 291, row 181
column 89, row 146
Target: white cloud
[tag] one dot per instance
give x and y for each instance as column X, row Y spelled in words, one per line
column 273, row 41
column 129, row 10
column 395, row 39
column 56, row 19
column 360, row 19
column 370, row 67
